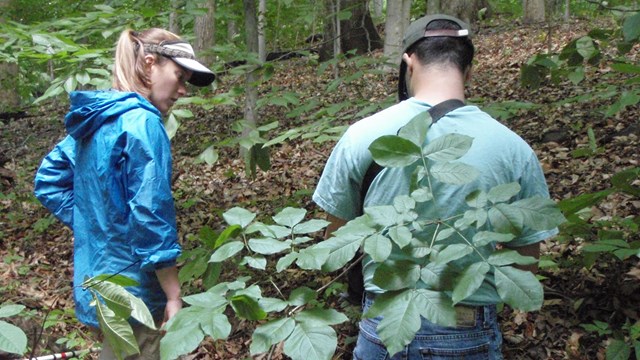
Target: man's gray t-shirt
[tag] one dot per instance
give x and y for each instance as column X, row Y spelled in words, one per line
column 499, row 155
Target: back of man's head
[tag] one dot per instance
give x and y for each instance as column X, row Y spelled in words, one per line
column 437, row 39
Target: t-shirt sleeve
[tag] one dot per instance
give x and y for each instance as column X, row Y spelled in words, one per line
column 338, row 190
column 533, row 184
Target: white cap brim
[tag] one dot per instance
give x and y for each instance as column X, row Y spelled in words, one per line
column 201, row 76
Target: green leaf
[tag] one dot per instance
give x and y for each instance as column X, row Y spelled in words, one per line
column 289, row 216
column 455, row 173
column 83, row 78
column 257, row 262
column 206, row 300
column 286, row 261
column 401, row 235
column 453, row 252
column 318, row 316
column 171, row 126
column 586, row 48
column 435, row 306
column 301, row 296
column 470, row 280
column 312, row 258
column 310, row 226
column 618, row 350
column 247, row 308
column 269, row 246
column 396, row 275
column 483, row 238
column 631, row 28
column 140, row 312
column 209, row 156
column 12, row 339
column 115, row 297
column 270, row 333
column 224, row 236
column 383, row 215
column 182, row 113
column 226, row 251
column 112, row 278
column 215, row 325
column 116, row 331
column 181, row 341
column 416, row 129
column 378, row 247
column 519, row 289
column 536, row 213
column 10, row 310
column 401, row 319
column 238, row 216
column 477, row 199
column 507, row 257
column 448, row 147
column 394, row 151
column 311, row 342
column 344, row 244
column 503, row 192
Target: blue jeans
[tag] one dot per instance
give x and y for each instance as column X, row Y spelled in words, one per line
column 476, row 337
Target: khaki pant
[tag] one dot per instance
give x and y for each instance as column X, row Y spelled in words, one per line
column 148, row 342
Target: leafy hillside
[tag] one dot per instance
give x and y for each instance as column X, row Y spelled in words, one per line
column 580, row 149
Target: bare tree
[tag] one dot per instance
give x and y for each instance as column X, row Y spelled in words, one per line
column 205, row 31
column 533, row 11
column 397, row 21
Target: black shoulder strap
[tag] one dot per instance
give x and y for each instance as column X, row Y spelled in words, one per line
column 437, row 112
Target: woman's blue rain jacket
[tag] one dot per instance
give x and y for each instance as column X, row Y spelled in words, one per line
column 110, row 181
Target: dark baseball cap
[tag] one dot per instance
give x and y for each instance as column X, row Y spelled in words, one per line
column 417, row 30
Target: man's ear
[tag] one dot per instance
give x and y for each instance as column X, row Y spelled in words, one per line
column 467, row 74
column 408, row 59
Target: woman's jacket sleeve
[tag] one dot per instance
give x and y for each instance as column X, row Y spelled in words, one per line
column 54, row 181
column 152, row 218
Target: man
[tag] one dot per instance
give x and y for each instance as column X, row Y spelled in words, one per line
column 436, row 64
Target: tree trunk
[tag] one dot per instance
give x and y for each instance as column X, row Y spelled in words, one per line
column 9, row 98
column 465, row 10
column 251, row 92
column 174, row 26
column 205, row 31
column 356, row 33
column 377, row 8
column 533, row 11
column 396, row 22
column 262, row 22
column 433, row 7
column 567, row 10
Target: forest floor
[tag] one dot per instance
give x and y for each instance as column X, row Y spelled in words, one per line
column 36, row 251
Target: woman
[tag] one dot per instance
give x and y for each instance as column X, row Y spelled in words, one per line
column 109, row 179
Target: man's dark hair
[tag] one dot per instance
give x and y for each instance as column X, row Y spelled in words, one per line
column 458, row 51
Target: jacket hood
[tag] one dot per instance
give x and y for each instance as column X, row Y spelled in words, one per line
column 90, row 109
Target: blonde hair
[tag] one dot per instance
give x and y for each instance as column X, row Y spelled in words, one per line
column 129, row 70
